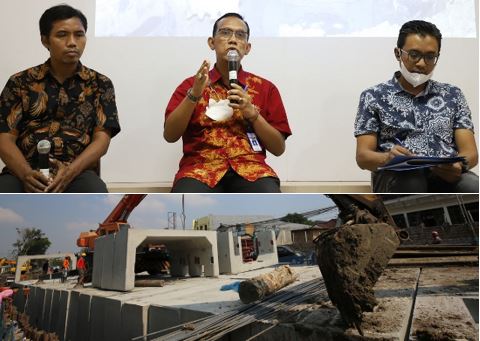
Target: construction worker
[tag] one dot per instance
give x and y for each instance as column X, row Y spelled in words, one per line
column 66, row 268
column 81, row 268
column 436, row 238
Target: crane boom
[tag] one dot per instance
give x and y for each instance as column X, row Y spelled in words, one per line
column 112, row 223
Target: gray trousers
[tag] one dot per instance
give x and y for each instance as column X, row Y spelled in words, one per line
column 421, row 181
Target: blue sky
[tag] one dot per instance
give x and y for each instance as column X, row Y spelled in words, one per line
column 62, row 216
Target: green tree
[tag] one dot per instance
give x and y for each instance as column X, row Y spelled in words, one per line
column 30, row 241
column 297, row 218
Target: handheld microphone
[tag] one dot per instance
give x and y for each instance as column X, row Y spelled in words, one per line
column 43, row 148
column 233, row 59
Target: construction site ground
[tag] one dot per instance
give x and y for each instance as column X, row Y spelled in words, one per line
column 417, row 303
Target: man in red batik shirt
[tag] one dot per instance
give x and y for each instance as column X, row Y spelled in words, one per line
column 226, row 128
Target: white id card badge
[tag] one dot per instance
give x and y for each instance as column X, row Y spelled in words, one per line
column 252, row 137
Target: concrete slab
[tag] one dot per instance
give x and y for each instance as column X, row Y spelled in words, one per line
column 441, row 311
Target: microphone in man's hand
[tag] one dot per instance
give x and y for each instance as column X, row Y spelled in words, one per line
column 233, row 65
column 43, row 148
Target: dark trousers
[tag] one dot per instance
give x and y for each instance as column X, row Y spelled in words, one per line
column 87, row 182
column 421, row 181
column 230, row 183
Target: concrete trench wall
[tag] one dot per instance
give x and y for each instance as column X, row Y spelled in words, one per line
column 81, row 316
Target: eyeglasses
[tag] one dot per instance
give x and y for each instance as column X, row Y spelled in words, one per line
column 226, row 33
column 415, row 56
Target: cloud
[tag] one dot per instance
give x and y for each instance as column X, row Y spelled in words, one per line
column 200, row 200
column 152, row 204
column 8, row 215
column 112, row 199
column 81, row 226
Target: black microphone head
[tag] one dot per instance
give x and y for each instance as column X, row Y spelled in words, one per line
column 43, row 147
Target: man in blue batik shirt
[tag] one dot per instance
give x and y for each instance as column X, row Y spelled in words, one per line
column 413, row 115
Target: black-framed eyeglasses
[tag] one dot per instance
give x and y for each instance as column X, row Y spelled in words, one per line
column 226, row 33
column 415, row 56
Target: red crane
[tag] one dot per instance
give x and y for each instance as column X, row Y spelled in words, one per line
column 113, row 222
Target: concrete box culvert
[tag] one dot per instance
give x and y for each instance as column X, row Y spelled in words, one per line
column 192, row 252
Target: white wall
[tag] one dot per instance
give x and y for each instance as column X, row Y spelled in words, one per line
column 320, row 80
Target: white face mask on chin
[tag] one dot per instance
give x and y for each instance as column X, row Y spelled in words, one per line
column 415, row 79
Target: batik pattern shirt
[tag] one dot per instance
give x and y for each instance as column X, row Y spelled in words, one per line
column 211, row 147
column 424, row 124
column 35, row 106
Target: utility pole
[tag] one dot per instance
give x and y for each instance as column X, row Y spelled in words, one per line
column 183, row 211
column 172, row 220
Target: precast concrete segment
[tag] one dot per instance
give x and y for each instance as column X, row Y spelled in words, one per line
column 97, row 271
column 160, row 318
column 134, row 321
column 19, row 300
column 35, row 305
column 115, row 255
column 62, row 311
column 231, row 260
column 22, row 259
column 105, row 319
column 107, row 262
column 83, row 318
column 72, row 316
column 47, row 311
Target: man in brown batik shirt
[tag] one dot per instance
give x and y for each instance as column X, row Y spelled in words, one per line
column 63, row 102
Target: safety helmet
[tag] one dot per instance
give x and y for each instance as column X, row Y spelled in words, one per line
column 84, row 254
column 434, row 233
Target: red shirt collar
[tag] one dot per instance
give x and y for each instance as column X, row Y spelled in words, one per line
column 215, row 75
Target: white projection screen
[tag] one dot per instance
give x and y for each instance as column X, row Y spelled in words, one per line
column 320, row 54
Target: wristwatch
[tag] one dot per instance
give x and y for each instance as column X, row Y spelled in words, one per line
column 191, row 97
column 464, row 167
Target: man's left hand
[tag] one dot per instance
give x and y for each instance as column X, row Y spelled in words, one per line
column 448, row 172
column 240, row 99
column 63, row 176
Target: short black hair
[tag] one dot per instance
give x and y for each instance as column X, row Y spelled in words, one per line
column 423, row 28
column 226, row 15
column 59, row 12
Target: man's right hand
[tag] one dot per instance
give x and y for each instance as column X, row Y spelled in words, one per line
column 397, row 150
column 201, row 79
column 35, row 182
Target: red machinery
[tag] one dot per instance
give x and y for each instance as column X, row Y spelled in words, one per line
column 113, row 222
column 152, row 258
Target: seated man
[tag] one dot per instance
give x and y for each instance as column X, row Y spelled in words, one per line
column 413, row 115
column 63, row 102
column 226, row 128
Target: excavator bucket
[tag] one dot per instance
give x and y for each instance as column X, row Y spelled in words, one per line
column 351, row 259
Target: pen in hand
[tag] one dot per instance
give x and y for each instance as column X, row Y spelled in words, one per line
column 397, row 141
